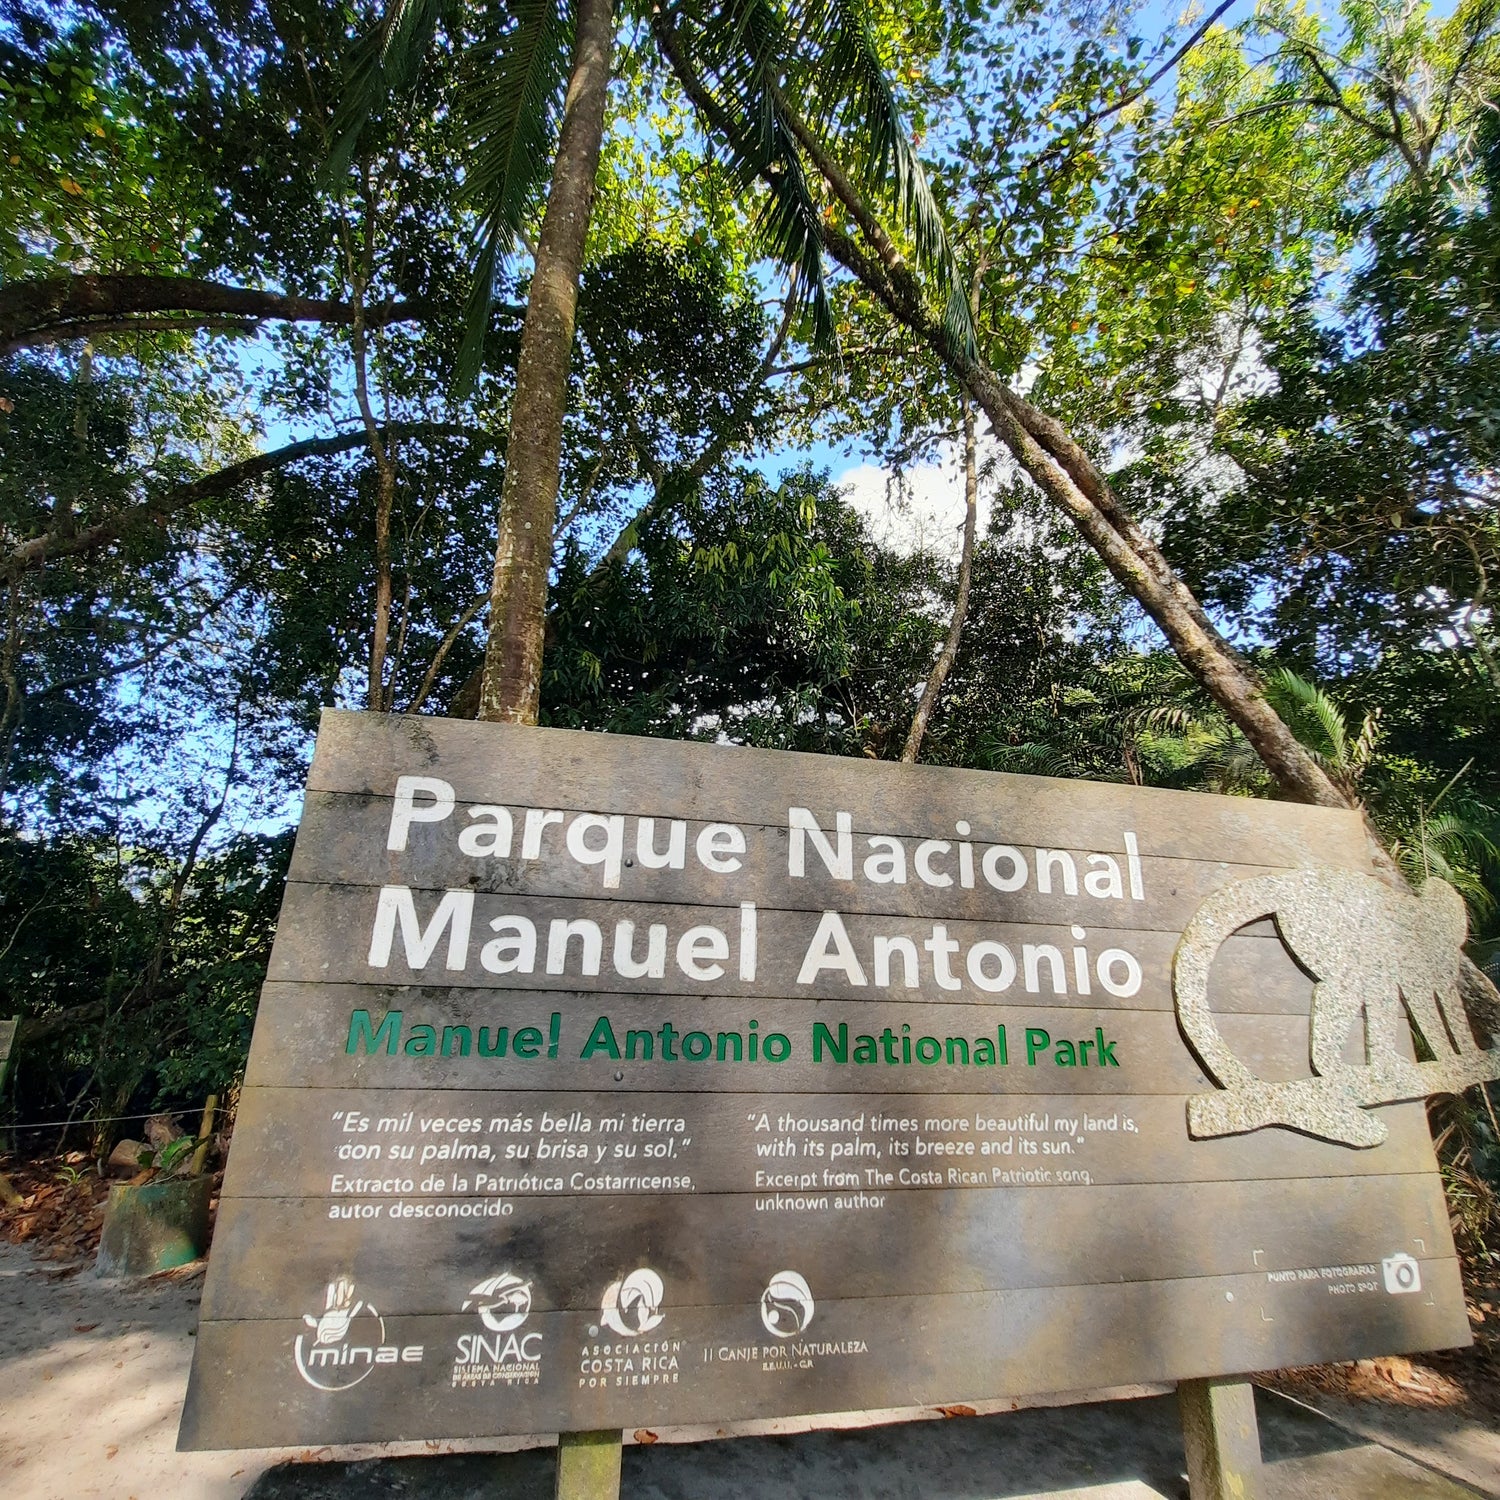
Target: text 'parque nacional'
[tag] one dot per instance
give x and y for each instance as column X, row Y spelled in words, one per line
column 445, row 928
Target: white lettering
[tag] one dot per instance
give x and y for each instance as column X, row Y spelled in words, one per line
column 514, row 952
column 697, row 951
column 557, row 944
column 454, row 913
column 609, row 854
column 492, row 837
column 831, row 935
column 802, row 827
column 656, row 952
column 923, row 862
column 717, row 843
column 405, row 812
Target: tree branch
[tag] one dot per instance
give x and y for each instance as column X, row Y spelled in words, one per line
column 63, row 307
column 37, row 551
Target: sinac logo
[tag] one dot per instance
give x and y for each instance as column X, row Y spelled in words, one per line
column 632, row 1305
column 786, row 1305
column 346, row 1337
column 503, row 1302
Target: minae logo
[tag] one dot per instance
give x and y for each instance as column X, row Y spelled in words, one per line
column 347, row 1341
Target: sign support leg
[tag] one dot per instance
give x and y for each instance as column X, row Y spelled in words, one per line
column 1221, row 1437
column 588, row 1465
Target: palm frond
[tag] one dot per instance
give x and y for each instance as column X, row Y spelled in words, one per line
column 1458, row 832
column 1030, row 759
column 736, row 58
column 515, row 71
column 853, row 90
column 1423, row 860
column 1324, row 730
column 384, row 62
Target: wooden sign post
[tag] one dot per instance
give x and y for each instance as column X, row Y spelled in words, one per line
column 600, row 1083
column 8, row 1031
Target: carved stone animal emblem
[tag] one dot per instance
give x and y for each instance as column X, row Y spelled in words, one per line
column 1373, row 953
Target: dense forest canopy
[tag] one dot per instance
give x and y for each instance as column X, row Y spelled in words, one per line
column 1201, row 314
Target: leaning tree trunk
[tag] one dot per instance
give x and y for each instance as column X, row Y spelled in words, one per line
column 1068, row 478
column 511, row 686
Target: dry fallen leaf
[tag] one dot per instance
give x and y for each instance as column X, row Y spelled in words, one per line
column 644, row 1435
column 957, row 1411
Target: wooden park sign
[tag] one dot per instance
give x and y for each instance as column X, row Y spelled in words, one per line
column 602, row 1082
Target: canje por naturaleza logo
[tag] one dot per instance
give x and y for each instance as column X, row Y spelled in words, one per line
column 786, row 1305
column 632, row 1305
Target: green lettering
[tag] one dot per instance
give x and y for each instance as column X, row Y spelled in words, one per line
column 363, row 1035
column 601, row 1039
column 1066, row 1057
column 823, row 1037
column 422, row 1042
column 1037, row 1040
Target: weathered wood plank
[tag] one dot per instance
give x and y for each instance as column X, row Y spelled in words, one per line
column 763, row 1129
column 588, row 1465
column 717, row 1249
column 8, row 1029
column 305, row 1035
column 558, row 768
column 856, row 1353
column 326, row 935
column 342, row 840
column 289, row 1139
column 1221, row 1439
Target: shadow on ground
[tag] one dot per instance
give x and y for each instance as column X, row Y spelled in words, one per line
column 1127, row 1450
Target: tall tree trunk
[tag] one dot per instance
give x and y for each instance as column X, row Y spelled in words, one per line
column 377, row 699
column 944, row 664
column 511, row 687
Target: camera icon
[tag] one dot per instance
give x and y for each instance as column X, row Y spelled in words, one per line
column 1402, row 1273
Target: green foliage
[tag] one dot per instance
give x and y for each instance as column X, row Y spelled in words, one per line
column 763, row 63
column 98, row 175
column 159, row 997
column 1258, row 286
column 515, row 77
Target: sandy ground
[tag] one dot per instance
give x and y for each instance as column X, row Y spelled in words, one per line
column 92, row 1376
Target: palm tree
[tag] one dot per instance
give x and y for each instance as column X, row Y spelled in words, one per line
column 537, row 78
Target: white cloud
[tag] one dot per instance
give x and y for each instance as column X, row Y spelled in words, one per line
column 922, row 508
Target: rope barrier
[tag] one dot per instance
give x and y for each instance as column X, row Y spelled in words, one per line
column 103, row 1119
